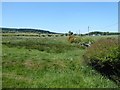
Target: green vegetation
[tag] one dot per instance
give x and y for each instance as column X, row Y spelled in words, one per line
column 25, row 30
column 47, row 62
column 103, row 33
column 39, row 31
column 104, row 55
column 104, row 50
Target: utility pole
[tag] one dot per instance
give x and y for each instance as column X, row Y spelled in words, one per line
column 88, row 30
column 76, row 32
column 79, row 31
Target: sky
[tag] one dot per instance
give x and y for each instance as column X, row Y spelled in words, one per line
column 61, row 17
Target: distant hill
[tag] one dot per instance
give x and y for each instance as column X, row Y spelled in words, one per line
column 13, row 30
column 27, row 30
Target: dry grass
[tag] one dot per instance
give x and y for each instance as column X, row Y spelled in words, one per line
column 17, row 77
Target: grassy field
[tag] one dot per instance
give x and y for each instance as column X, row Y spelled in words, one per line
column 47, row 62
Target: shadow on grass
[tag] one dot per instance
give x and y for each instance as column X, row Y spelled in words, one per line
column 107, row 69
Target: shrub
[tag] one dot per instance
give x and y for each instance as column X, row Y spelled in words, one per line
column 80, row 40
column 62, row 35
column 103, row 50
column 56, row 35
column 104, row 55
column 77, row 40
column 43, row 35
column 87, row 40
column 71, row 38
column 49, row 35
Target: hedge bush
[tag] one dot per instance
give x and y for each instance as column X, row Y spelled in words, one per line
column 81, row 40
column 87, row 40
column 103, row 50
column 104, row 55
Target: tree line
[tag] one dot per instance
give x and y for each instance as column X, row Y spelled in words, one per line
column 24, row 30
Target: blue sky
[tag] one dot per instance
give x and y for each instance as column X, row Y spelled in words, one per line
column 61, row 17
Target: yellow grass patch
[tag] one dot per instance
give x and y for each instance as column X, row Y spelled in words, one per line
column 17, row 77
column 30, row 64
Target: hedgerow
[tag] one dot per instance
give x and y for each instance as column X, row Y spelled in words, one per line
column 104, row 55
column 103, row 50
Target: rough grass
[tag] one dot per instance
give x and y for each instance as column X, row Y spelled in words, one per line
column 104, row 55
column 32, row 68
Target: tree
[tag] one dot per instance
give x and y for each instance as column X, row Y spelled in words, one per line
column 70, row 33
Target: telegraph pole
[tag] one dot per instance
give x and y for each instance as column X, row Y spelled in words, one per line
column 76, row 32
column 79, row 31
column 88, row 30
